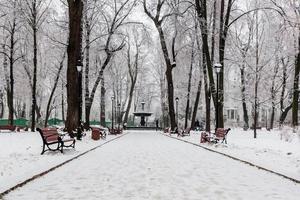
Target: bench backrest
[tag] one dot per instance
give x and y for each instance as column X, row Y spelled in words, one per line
column 8, row 127
column 221, row 132
column 48, row 134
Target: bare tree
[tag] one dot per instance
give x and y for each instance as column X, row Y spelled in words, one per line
column 34, row 12
column 120, row 14
column 74, row 59
column 158, row 18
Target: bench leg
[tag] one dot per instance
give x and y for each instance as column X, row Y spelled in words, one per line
column 62, row 146
column 43, row 151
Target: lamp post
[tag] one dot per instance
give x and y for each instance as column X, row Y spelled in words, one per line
column 177, row 99
column 119, row 114
column 217, row 67
column 79, row 70
column 112, row 112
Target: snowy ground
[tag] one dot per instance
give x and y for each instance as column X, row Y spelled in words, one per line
column 276, row 150
column 148, row 165
column 20, row 157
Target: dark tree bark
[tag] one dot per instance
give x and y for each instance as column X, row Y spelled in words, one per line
column 102, row 102
column 224, row 26
column 284, row 113
column 284, row 79
column 244, row 104
column 224, row 22
column 74, row 58
column 202, row 18
column 34, row 30
column 48, row 110
column 189, row 92
column 256, row 103
column 11, row 75
column 88, row 30
column 273, row 94
column 1, row 105
column 296, row 87
column 196, row 105
column 62, row 102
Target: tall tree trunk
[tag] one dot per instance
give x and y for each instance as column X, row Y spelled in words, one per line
column 11, row 66
column 222, row 42
column 87, row 69
column 256, row 78
column 273, row 94
column 133, row 71
column 102, row 102
column 284, row 114
column 62, row 102
column 6, row 75
column 296, row 86
column 189, row 90
column 202, row 18
column 196, row 105
column 244, row 105
column 284, row 79
column 74, row 58
column 1, row 105
column 34, row 29
column 169, row 76
column 48, row 111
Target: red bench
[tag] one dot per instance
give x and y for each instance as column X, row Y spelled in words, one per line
column 185, row 132
column 51, row 138
column 98, row 133
column 8, row 127
column 219, row 136
column 115, row 131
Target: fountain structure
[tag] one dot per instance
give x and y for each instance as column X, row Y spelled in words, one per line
column 142, row 114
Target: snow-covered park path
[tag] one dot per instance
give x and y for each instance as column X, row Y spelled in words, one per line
column 148, row 165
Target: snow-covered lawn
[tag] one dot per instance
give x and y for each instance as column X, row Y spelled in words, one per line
column 20, row 157
column 148, row 165
column 269, row 149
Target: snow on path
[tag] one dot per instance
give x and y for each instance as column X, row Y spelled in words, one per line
column 267, row 150
column 147, row 165
column 20, row 157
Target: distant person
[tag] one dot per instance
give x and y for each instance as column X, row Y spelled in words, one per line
column 124, row 126
column 157, row 124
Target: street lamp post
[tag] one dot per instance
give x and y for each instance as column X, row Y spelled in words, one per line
column 177, row 99
column 112, row 112
column 217, row 67
column 79, row 70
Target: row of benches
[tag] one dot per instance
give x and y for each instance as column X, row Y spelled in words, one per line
column 219, row 136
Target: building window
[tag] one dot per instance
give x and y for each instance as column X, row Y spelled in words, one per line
column 231, row 113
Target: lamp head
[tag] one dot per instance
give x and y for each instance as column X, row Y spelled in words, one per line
column 218, row 67
column 79, row 68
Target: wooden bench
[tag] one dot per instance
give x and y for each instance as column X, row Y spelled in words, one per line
column 115, row 131
column 185, row 132
column 9, row 127
column 98, row 133
column 51, row 138
column 219, row 136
